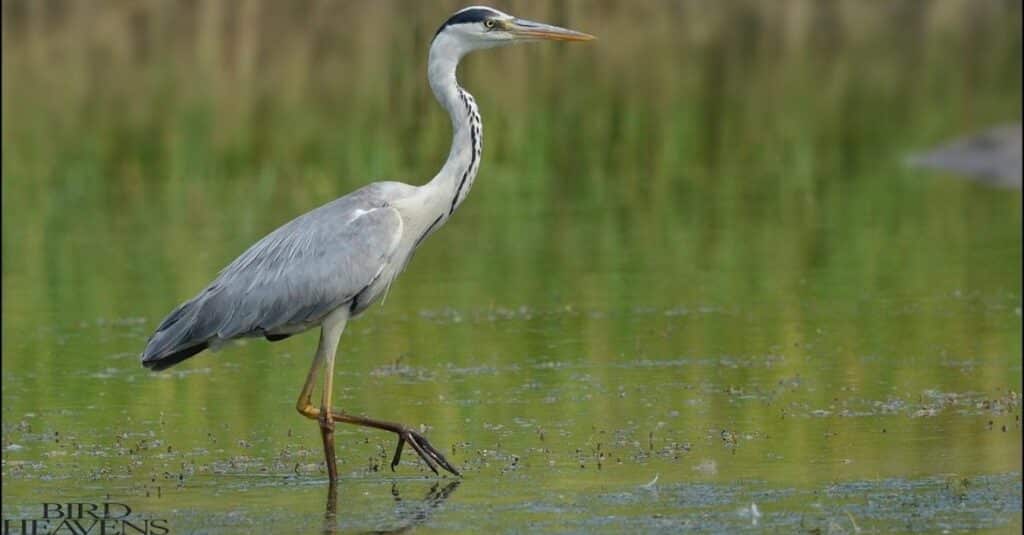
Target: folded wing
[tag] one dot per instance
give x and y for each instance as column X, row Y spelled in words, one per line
column 286, row 282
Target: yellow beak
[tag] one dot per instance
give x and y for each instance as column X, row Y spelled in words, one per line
column 528, row 29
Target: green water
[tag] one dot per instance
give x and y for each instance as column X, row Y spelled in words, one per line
column 722, row 303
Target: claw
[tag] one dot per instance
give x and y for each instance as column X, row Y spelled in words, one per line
column 430, row 456
column 398, row 453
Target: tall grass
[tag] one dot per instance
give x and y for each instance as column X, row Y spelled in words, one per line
column 695, row 93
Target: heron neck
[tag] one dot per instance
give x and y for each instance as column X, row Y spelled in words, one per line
column 452, row 183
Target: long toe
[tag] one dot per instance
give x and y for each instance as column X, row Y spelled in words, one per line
column 428, row 453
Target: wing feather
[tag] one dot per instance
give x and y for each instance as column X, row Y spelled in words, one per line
column 300, row 276
column 290, row 279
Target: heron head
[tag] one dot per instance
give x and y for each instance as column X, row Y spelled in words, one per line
column 478, row 27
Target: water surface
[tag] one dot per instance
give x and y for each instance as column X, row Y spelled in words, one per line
column 720, row 304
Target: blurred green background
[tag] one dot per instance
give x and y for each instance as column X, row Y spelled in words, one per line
column 700, row 223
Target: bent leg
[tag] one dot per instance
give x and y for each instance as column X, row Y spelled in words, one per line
column 330, row 335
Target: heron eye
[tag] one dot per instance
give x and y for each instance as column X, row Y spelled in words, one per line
column 489, row 23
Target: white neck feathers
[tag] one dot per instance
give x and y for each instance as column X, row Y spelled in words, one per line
column 452, row 184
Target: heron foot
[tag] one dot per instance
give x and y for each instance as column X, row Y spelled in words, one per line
column 422, row 447
column 428, row 453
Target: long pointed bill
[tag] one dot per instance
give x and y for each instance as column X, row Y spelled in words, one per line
column 527, row 29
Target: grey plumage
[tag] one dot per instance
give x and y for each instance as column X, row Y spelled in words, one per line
column 289, row 280
column 330, row 264
column 347, row 252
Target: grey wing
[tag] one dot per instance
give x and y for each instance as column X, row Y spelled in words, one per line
column 288, row 281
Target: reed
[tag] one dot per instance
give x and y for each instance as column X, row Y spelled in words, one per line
column 675, row 95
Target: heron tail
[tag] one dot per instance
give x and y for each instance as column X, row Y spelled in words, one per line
column 176, row 339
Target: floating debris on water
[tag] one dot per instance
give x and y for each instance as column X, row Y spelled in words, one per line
column 751, row 512
column 707, row 467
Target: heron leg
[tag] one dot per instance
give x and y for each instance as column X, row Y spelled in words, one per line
column 329, row 337
column 330, row 334
column 326, row 422
column 418, row 442
column 305, row 403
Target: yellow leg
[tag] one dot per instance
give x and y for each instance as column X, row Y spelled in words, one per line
column 330, row 334
column 304, row 405
column 326, row 423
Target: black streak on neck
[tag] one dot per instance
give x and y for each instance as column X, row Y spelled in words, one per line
column 427, row 232
column 472, row 156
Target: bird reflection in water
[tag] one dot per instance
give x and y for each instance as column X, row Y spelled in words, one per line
column 409, row 514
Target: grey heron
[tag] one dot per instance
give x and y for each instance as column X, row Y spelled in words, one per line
column 328, row 265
